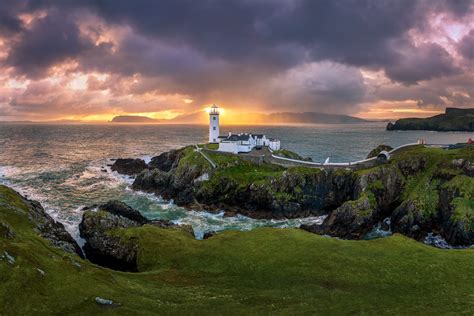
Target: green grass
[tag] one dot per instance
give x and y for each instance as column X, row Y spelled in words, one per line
column 212, row 146
column 192, row 158
column 277, row 271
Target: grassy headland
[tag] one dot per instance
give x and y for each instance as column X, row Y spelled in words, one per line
column 281, row 271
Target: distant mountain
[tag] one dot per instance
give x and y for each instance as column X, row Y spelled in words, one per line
column 250, row 118
column 310, row 118
column 453, row 120
column 274, row 118
column 133, row 119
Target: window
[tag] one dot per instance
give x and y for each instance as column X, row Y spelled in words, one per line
column 214, row 118
column 214, row 128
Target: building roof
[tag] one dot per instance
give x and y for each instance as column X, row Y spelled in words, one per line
column 237, row 137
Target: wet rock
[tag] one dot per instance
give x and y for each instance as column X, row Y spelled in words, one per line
column 122, row 209
column 50, row 229
column 129, row 166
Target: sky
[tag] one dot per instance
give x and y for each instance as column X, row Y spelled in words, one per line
column 91, row 60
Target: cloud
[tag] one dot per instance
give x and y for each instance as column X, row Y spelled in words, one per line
column 49, row 40
column 259, row 54
column 424, row 62
column 466, row 46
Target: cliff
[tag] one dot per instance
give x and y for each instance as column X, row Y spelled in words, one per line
column 452, row 120
column 422, row 190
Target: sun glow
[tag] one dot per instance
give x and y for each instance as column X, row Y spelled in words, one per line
column 207, row 109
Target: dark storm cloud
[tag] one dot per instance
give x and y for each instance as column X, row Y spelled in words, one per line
column 51, row 39
column 424, row 62
column 212, row 50
column 10, row 24
column 272, row 35
column 466, row 46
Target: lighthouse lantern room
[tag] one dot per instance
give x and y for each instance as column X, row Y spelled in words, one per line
column 214, row 124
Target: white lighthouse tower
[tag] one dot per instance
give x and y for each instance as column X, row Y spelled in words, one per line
column 214, row 124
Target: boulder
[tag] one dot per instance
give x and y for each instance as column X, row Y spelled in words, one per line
column 129, row 166
column 104, row 248
column 352, row 220
column 122, row 209
column 107, row 249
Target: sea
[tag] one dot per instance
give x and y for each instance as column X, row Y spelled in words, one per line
column 67, row 167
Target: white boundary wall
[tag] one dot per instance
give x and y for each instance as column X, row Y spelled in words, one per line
column 340, row 164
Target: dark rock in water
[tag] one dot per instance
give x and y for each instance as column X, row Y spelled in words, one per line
column 122, row 209
column 50, row 229
column 376, row 151
column 166, row 161
column 129, row 166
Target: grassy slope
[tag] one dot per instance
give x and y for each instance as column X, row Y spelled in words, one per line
column 235, row 272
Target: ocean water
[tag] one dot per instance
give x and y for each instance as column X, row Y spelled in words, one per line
column 65, row 167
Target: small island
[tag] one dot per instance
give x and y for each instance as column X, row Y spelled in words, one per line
column 453, row 120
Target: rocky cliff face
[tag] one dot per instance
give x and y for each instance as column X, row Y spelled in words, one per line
column 43, row 224
column 421, row 190
column 107, row 249
column 50, row 229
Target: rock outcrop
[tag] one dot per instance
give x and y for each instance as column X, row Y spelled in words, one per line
column 418, row 191
column 129, row 166
column 452, row 120
column 107, row 249
column 50, row 229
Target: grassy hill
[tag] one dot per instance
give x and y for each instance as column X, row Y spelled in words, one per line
column 280, row 271
column 453, row 120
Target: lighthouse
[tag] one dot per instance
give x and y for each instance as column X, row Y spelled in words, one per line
column 214, row 124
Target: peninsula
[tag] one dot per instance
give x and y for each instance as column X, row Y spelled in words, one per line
column 454, row 119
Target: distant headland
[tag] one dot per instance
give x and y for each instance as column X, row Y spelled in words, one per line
column 134, row 119
column 251, row 118
column 453, row 120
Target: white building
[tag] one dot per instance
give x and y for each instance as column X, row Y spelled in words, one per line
column 237, row 143
column 214, row 124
